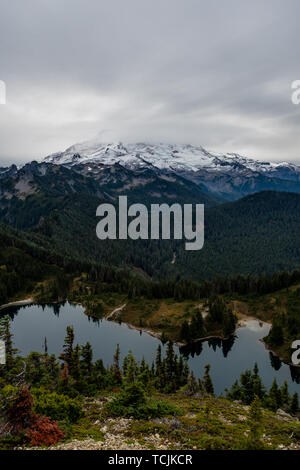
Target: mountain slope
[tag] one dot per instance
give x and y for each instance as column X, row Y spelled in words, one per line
column 257, row 234
column 229, row 176
column 168, row 156
column 55, row 203
column 58, row 206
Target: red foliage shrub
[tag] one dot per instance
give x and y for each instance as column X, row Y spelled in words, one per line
column 39, row 430
column 44, row 432
column 20, row 414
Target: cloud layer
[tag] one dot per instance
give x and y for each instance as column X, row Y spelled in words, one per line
column 212, row 73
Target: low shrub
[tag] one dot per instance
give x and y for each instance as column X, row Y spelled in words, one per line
column 132, row 402
column 56, row 406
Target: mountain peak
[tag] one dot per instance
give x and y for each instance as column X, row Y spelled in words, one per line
column 180, row 158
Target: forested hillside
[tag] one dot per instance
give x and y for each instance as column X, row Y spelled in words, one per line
column 255, row 235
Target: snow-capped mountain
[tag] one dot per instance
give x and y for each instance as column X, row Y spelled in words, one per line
column 171, row 157
column 228, row 176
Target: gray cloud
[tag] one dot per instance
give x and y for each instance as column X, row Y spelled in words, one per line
column 207, row 72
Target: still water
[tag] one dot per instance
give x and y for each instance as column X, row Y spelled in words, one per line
column 31, row 324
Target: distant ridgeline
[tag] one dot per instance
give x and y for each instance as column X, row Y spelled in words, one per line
column 254, row 235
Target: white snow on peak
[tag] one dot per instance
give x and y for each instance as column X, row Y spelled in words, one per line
column 176, row 157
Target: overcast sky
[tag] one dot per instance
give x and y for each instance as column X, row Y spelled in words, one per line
column 216, row 73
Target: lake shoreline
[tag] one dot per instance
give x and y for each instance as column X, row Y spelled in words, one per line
column 277, row 355
column 17, row 303
column 241, row 323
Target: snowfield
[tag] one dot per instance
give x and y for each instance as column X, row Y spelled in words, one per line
column 172, row 157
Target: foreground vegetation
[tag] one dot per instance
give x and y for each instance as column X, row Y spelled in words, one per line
column 46, row 400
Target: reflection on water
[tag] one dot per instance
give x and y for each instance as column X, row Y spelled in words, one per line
column 195, row 349
column 228, row 358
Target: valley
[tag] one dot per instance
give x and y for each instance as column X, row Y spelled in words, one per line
column 227, row 311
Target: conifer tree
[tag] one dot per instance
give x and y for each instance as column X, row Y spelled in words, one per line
column 170, row 362
column 192, row 386
column 67, row 355
column 130, row 368
column 76, row 363
column 295, row 403
column 45, row 346
column 116, row 366
column 87, row 357
column 257, row 385
column 255, row 422
column 158, row 359
column 207, row 382
column 229, row 322
column 275, row 396
column 185, row 333
column 196, row 329
column 285, row 397
column 276, row 336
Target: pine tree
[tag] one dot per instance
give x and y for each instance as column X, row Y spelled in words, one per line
column 255, row 422
column 170, row 362
column 185, row 333
column 275, row 396
column 76, row 363
column 192, row 386
column 217, row 308
column 229, row 322
column 130, row 368
column 158, row 359
column 285, row 397
column 152, row 370
column 143, row 365
column 45, row 346
column 196, row 329
column 276, row 336
column 295, row 404
column 163, row 338
column 180, row 372
column 87, row 357
column 207, row 382
column 67, row 355
column 201, row 387
column 116, row 366
column 257, row 385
